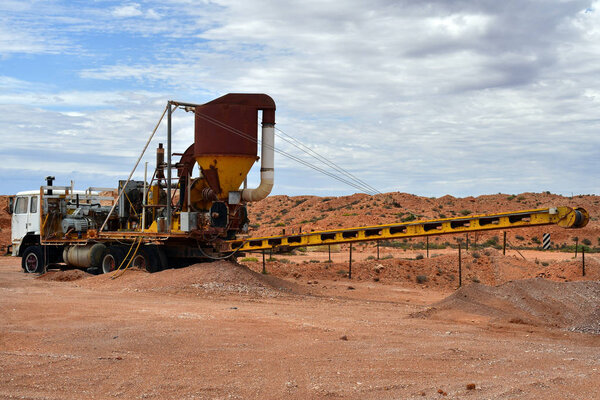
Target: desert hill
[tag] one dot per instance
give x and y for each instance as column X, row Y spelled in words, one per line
column 305, row 213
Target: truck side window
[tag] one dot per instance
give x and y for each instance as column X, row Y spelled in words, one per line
column 34, row 205
column 21, row 207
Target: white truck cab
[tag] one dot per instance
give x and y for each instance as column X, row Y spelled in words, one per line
column 25, row 218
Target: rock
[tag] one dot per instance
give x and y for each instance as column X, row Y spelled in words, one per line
column 471, row 386
column 378, row 268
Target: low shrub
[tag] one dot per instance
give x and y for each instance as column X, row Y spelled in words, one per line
column 410, row 217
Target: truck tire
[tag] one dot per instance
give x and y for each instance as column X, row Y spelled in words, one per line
column 113, row 259
column 145, row 259
column 33, row 260
column 150, row 259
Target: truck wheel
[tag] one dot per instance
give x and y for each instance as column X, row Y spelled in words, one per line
column 33, row 260
column 112, row 259
column 148, row 258
column 144, row 259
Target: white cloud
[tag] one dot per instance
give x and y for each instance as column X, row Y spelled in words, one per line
column 127, row 11
column 151, row 14
column 14, row 39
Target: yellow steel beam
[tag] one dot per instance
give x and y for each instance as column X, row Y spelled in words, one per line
column 565, row 217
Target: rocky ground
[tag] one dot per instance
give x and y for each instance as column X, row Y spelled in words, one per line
column 304, row 330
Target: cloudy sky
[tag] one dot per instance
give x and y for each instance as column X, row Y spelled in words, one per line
column 427, row 97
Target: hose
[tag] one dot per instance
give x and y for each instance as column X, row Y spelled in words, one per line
column 218, row 258
column 118, row 272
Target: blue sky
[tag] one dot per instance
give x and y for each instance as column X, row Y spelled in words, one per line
column 431, row 97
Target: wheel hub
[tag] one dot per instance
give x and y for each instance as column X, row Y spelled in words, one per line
column 31, row 263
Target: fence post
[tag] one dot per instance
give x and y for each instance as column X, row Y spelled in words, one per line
column 264, row 270
column 329, row 251
column 378, row 250
column 350, row 263
column 576, row 246
column 427, row 237
column 583, row 261
column 504, row 245
column 459, row 267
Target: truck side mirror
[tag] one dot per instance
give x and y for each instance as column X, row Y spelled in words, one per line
column 11, row 204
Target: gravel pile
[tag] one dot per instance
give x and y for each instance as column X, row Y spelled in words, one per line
column 540, row 302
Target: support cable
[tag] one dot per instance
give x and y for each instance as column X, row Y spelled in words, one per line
column 286, row 154
column 116, row 201
column 301, row 146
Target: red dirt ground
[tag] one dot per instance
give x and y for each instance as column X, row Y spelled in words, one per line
column 399, row 329
column 222, row 331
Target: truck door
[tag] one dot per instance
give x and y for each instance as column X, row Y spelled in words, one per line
column 33, row 219
column 20, row 223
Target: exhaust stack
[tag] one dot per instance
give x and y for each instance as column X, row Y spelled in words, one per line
column 267, row 166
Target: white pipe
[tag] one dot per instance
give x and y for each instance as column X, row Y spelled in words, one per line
column 145, row 196
column 267, row 166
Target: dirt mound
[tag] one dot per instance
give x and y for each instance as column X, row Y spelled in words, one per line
column 540, row 302
column 213, row 277
column 4, row 224
column 487, row 266
column 64, row 276
column 571, row 270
